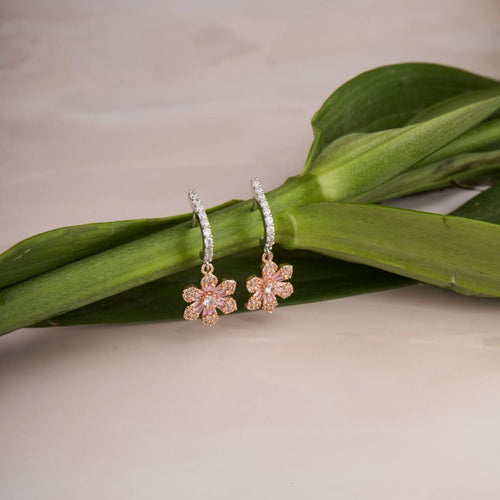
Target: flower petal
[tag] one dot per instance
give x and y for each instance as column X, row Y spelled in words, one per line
column 209, row 316
column 253, row 303
column 254, row 284
column 269, row 304
column 208, row 281
column 229, row 286
column 191, row 312
column 285, row 272
column 284, row 290
column 269, row 269
column 191, row 294
column 230, row 306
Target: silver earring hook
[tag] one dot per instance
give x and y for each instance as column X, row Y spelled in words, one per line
column 260, row 198
column 200, row 213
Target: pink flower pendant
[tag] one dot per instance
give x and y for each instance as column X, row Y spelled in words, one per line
column 206, row 300
column 272, row 283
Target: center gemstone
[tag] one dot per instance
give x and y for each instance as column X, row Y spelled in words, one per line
column 209, row 301
column 270, row 288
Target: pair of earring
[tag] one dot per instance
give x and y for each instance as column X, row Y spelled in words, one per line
column 212, row 295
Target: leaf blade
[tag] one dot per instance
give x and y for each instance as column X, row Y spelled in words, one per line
column 461, row 169
column 389, row 153
column 316, row 278
column 387, row 97
column 446, row 251
column 51, row 249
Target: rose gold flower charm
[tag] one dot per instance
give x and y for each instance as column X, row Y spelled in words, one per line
column 272, row 283
column 205, row 301
column 209, row 297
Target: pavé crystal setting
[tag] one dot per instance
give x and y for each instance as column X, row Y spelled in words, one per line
column 266, row 213
column 199, row 211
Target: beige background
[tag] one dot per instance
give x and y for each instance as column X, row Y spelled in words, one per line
column 112, row 110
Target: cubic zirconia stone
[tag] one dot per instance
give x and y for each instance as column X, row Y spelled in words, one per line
column 209, row 300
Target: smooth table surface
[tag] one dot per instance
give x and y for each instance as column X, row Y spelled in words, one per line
column 112, row 111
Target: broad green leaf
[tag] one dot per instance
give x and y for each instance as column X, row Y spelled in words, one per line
column 461, row 169
column 454, row 103
column 52, row 249
column 342, row 174
column 483, row 137
column 387, row 97
column 316, row 278
column 446, row 251
column 485, row 206
column 382, row 237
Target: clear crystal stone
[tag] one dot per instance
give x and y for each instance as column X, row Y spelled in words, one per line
column 209, row 301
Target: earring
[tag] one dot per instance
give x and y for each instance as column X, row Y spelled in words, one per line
column 273, row 280
column 210, row 296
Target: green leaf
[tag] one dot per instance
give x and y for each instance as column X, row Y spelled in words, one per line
column 485, row 206
column 52, row 249
column 458, row 170
column 352, row 166
column 316, row 278
column 387, row 97
column 446, row 251
column 483, row 137
column 454, row 103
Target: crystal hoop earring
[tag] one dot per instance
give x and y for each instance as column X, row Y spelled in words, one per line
column 273, row 281
column 205, row 301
